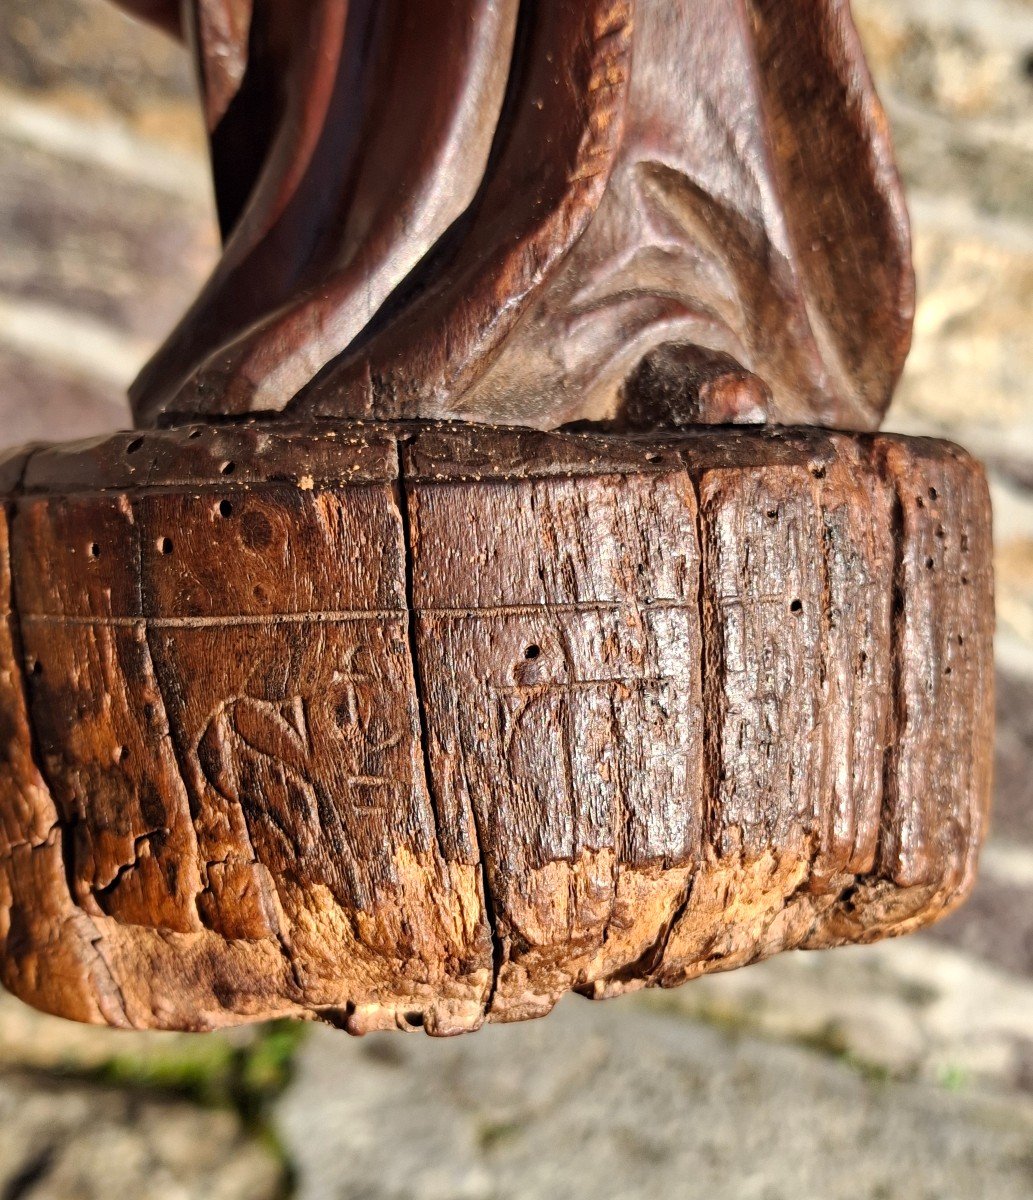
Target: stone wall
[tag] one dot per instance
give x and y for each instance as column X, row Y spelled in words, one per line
column 957, row 81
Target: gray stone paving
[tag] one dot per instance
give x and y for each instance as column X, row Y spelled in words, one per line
column 66, row 1141
column 610, row 1101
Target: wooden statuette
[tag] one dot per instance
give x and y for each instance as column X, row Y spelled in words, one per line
column 506, row 590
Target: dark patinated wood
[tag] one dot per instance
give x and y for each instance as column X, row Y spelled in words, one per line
column 499, row 211
column 418, row 725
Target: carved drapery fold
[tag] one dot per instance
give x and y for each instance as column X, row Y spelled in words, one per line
column 506, row 210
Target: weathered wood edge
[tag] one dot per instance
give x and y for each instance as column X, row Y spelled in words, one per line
column 895, row 895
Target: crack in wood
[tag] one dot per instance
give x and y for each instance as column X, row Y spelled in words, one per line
column 404, row 499
column 651, row 817
column 898, row 699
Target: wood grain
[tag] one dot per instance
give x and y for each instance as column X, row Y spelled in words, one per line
column 422, row 725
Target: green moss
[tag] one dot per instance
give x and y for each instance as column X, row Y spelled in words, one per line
column 202, row 1075
column 495, row 1133
column 213, row 1071
column 953, row 1078
column 267, row 1066
column 736, row 1021
column 832, row 1042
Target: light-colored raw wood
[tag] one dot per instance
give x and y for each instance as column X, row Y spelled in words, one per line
column 422, row 725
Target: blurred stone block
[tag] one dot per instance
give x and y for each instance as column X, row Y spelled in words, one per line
column 96, row 58
column 609, row 1102
column 970, row 374
column 109, row 245
column 67, row 1142
column 963, row 60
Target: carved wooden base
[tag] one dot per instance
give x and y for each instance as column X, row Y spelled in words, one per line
column 416, row 725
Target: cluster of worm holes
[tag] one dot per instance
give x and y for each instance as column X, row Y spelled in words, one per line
column 532, row 651
column 796, row 606
column 165, row 544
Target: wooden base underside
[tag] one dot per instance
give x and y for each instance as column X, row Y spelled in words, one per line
column 418, row 725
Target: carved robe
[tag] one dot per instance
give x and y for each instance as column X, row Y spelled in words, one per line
column 532, row 212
